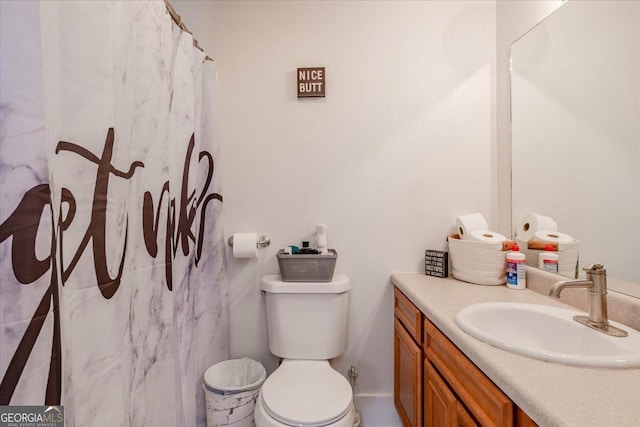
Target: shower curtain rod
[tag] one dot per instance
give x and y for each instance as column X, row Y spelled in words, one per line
column 178, row 20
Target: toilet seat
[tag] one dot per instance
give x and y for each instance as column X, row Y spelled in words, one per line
column 306, row 393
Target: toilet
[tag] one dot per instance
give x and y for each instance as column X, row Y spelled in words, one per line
column 307, row 326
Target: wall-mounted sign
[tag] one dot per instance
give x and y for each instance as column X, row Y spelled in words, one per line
column 311, row 82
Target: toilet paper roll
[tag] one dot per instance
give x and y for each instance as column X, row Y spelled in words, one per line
column 245, row 245
column 486, row 236
column 530, row 223
column 553, row 236
column 465, row 224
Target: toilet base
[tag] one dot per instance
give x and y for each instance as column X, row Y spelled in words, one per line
column 265, row 420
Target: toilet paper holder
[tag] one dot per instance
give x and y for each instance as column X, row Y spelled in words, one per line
column 262, row 242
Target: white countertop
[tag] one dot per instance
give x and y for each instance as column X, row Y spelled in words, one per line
column 551, row 394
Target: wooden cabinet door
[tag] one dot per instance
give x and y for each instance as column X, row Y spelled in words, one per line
column 523, row 420
column 407, row 377
column 483, row 399
column 441, row 407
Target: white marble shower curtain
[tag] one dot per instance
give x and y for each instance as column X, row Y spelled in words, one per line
column 112, row 284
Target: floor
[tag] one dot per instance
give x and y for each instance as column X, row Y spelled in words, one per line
column 377, row 411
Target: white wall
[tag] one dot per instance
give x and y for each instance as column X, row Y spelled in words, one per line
column 401, row 145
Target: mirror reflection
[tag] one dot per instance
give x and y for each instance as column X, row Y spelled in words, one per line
column 576, row 129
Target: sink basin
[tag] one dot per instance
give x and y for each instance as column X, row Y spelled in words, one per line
column 548, row 333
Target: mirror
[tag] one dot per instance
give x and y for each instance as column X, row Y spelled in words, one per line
column 575, row 131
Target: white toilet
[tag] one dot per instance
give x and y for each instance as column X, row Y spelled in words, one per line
column 307, row 325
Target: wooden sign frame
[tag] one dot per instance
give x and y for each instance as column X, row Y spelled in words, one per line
column 311, row 82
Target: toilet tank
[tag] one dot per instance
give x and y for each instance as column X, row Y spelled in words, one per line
column 306, row 320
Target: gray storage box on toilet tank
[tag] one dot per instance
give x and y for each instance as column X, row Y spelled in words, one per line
column 307, row 267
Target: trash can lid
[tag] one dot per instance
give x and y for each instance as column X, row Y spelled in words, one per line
column 234, row 376
column 306, row 392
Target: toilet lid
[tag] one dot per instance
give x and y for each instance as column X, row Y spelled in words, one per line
column 306, row 392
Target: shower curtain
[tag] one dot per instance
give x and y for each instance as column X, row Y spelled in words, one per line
column 113, row 289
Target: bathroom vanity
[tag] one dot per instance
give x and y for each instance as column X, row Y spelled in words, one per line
column 444, row 377
column 435, row 384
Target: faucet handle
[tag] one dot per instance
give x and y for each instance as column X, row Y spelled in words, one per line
column 595, row 268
